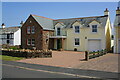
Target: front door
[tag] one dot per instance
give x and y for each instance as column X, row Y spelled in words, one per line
column 58, row 43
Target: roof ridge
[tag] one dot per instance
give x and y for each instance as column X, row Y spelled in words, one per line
column 14, row 27
column 42, row 17
column 81, row 18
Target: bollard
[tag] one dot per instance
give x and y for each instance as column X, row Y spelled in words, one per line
column 86, row 55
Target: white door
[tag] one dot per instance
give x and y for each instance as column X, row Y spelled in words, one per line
column 119, row 46
column 94, row 45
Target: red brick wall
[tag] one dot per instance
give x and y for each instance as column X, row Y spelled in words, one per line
column 46, row 40
column 37, row 35
column 41, row 36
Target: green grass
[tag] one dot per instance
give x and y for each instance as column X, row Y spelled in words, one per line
column 10, row 58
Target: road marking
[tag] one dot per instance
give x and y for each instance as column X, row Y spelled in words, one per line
column 81, row 76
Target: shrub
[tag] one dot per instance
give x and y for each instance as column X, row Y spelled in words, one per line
column 27, row 53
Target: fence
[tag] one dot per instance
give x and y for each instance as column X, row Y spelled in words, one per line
column 90, row 55
column 27, row 53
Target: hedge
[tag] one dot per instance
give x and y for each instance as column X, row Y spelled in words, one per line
column 27, row 53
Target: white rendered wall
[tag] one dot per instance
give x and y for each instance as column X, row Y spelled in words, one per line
column 17, row 37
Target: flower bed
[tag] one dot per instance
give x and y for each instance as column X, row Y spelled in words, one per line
column 27, row 53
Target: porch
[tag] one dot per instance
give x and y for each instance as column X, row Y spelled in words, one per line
column 57, row 42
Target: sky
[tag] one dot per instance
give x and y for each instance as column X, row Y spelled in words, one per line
column 15, row 12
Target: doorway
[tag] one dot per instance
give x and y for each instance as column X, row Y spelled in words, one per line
column 58, row 43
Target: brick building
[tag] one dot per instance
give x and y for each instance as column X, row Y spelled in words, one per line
column 81, row 34
column 35, row 34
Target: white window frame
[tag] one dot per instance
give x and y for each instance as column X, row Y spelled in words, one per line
column 33, row 41
column 28, row 30
column 57, row 31
column 28, row 42
column 77, row 30
column 33, row 29
column 75, row 41
column 94, row 28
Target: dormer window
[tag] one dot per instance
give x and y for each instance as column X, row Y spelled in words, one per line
column 58, row 31
column 77, row 29
column 94, row 28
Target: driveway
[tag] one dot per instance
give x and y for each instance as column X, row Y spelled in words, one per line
column 71, row 59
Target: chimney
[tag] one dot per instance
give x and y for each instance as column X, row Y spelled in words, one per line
column 21, row 23
column 3, row 25
column 106, row 12
column 118, row 11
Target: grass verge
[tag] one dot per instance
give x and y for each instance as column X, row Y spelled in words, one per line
column 10, row 58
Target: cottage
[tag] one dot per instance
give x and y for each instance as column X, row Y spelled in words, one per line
column 80, row 34
column 10, row 35
column 117, row 32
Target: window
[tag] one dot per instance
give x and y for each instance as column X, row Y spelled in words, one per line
column 8, row 41
column 33, row 30
column 77, row 42
column 77, row 29
column 33, row 42
column 94, row 28
column 28, row 41
column 30, row 21
column 11, row 36
column 8, row 36
column 58, row 31
column 28, row 29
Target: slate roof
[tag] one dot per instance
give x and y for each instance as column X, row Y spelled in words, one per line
column 83, row 21
column 48, row 24
column 9, row 29
column 117, row 21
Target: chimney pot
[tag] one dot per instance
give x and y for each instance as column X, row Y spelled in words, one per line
column 3, row 25
column 106, row 12
column 118, row 11
column 21, row 22
column 118, row 8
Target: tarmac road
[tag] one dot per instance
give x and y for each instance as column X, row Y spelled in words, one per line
column 13, row 70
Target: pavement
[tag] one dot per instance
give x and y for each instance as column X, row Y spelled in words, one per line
column 72, row 59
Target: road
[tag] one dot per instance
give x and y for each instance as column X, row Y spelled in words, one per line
column 22, row 70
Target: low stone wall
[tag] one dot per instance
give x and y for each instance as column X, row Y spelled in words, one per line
column 27, row 53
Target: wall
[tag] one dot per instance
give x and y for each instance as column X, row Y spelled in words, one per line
column 46, row 42
column 85, row 32
column 63, row 31
column 17, row 37
column 37, row 35
column 116, row 39
column 108, row 35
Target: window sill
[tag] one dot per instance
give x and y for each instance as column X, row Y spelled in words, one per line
column 94, row 32
column 76, row 33
column 76, row 45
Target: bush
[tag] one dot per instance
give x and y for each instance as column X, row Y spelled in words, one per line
column 27, row 53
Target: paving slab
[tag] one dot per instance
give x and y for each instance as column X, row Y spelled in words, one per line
column 72, row 59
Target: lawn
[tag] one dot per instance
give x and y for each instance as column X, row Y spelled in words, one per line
column 10, row 58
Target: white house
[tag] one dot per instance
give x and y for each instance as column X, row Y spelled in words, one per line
column 10, row 35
